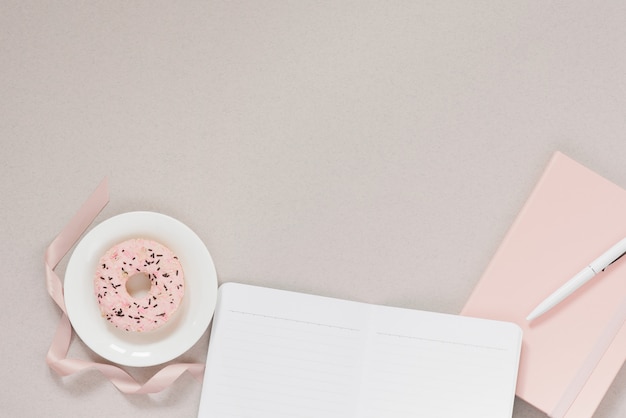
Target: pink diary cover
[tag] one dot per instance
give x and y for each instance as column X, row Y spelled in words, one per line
column 571, row 354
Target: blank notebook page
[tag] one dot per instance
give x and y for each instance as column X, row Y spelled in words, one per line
column 282, row 354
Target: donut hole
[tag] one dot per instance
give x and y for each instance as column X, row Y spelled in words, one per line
column 138, row 285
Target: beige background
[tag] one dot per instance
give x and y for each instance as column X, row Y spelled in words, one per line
column 375, row 151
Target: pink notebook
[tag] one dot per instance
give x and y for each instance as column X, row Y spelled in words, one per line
column 571, row 354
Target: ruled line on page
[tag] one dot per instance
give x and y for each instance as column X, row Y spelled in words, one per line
column 487, row 347
column 292, row 320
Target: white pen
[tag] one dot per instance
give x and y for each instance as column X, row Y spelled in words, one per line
column 595, row 267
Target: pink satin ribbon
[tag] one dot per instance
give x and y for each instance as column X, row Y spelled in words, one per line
column 57, row 354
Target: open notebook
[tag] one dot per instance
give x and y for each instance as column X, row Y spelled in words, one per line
column 280, row 354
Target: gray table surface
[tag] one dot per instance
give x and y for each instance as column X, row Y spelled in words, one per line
column 373, row 151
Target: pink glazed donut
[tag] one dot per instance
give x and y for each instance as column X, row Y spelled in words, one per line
column 130, row 258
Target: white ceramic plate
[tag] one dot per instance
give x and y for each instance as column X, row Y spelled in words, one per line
column 187, row 325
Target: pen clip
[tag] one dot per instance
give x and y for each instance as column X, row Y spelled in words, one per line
column 620, row 256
